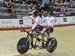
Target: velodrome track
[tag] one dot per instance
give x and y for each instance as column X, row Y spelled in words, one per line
column 64, row 35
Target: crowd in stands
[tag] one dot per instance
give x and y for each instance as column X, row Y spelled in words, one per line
column 65, row 9
column 59, row 9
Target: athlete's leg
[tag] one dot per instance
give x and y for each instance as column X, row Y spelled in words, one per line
column 49, row 31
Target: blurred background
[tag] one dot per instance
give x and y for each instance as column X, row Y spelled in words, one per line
column 19, row 8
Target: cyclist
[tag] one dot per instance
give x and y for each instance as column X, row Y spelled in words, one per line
column 49, row 25
column 37, row 26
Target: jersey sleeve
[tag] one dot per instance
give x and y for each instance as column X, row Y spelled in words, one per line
column 51, row 22
column 35, row 23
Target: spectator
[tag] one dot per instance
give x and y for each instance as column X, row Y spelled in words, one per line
column 9, row 6
column 1, row 3
column 31, row 8
column 1, row 0
column 18, row 1
column 46, row 7
column 31, row 1
column 38, row 5
column 43, row 2
column 71, row 4
column 62, row 9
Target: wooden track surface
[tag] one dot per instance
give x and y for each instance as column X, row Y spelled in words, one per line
column 64, row 35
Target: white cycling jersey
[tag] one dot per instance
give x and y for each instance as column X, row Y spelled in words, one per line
column 50, row 21
column 38, row 21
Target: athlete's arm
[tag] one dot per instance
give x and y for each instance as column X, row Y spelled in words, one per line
column 33, row 27
column 35, row 23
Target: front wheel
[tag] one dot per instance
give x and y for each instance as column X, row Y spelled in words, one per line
column 23, row 45
column 52, row 45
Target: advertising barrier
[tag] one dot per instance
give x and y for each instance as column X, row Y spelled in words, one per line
column 65, row 20
column 5, row 23
column 27, row 22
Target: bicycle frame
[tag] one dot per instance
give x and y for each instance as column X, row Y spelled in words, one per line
column 39, row 34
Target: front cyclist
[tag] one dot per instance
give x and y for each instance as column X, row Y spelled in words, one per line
column 37, row 26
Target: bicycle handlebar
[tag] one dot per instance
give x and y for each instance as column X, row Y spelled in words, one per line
column 26, row 31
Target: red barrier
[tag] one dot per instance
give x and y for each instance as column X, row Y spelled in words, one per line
column 28, row 28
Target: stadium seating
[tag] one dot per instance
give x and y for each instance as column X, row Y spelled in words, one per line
column 21, row 9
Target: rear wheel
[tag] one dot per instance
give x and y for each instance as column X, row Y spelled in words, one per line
column 23, row 45
column 52, row 45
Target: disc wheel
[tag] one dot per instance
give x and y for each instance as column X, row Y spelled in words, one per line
column 52, row 45
column 23, row 45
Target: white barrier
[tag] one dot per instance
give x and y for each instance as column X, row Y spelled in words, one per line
column 27, row 22
column 65, row 20
column 8, row 23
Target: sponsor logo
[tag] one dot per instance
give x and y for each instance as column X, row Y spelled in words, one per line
column 20, row 21
column 65, row 19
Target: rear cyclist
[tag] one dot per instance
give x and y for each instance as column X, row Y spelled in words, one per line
column 37, row 26
column 49, row 25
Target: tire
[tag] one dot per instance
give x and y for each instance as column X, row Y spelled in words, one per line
column 23, row 45
column 52, row 45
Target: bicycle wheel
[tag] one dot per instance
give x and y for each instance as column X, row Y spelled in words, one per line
column 52, row 45
column 23, row 45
